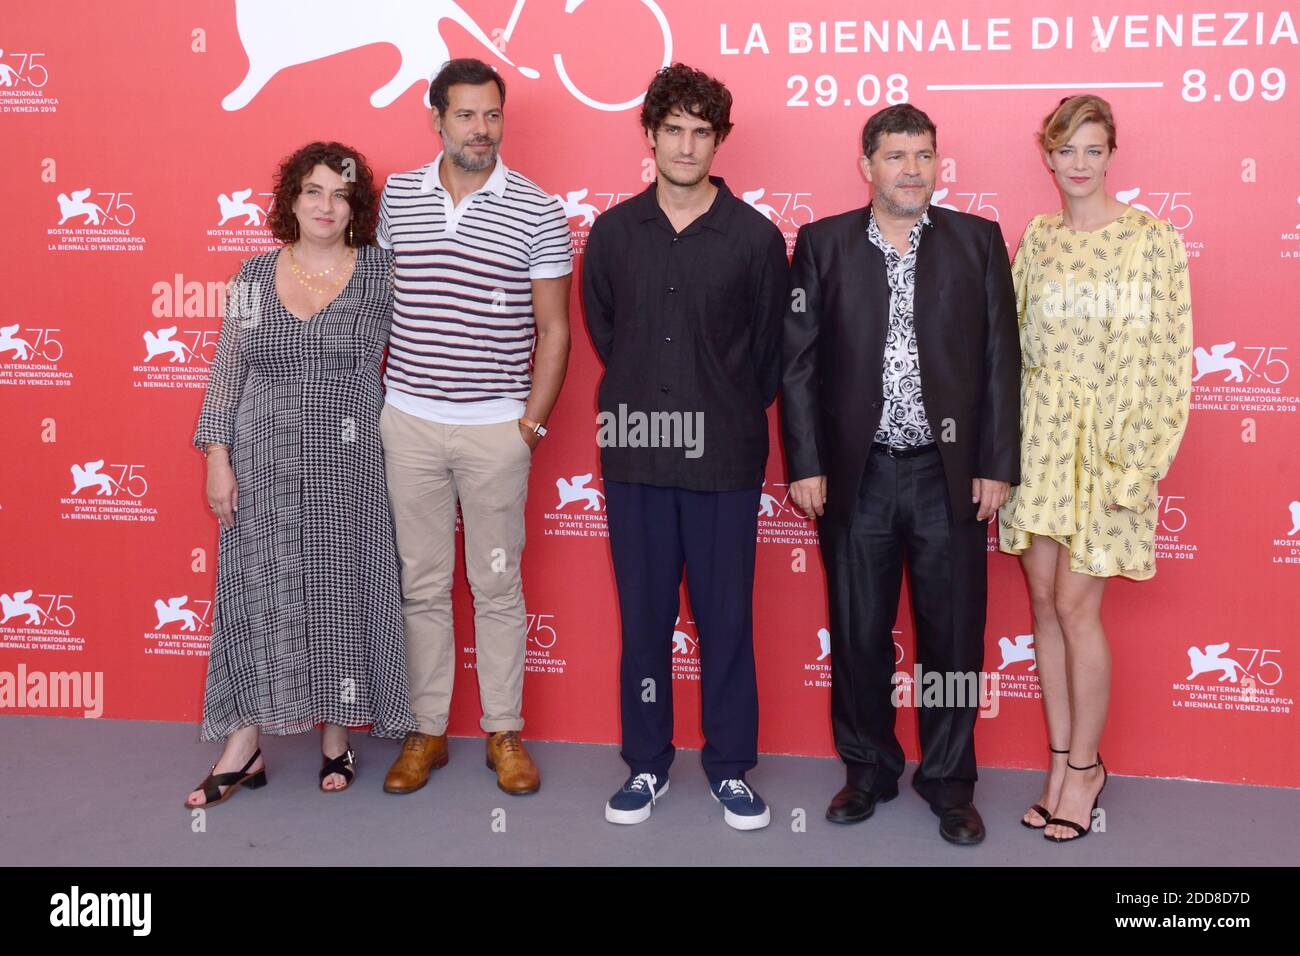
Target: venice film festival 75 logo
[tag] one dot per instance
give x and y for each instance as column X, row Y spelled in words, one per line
column 541, row 656
column 1227, row 678
column 179, row 344
column 817, row 669
column 1291, row 236
column 1173, row 207
column 1232, row 377
column 38, row 620
column 182, row 627
column 780, row 521
column 240, row 222
column 107, row 491
column 277, row 37
column 786, row 210
column 24, row 83
column 30, row 355
column 1174, row 540
column 917, row 687
column 1286, row 549
column 1018, row 668
column 579, row 510
column 91, row 220
column 582, row 206
column 686, row 650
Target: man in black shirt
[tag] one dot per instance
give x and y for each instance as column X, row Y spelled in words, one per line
column 684, row 288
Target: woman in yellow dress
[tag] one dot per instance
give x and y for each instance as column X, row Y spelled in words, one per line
column 1106, row 340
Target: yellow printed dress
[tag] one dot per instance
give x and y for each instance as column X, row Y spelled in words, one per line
column 1106, row 347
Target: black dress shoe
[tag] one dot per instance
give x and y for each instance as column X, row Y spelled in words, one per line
column 854, row 804
column 961, row 825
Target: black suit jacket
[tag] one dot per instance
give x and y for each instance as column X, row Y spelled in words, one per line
column 967, row 335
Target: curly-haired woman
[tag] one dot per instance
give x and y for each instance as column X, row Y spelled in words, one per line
column 307, row 624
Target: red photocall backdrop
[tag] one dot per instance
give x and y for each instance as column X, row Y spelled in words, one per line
column 139, row 141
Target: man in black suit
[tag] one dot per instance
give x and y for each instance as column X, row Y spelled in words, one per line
column 901, row 419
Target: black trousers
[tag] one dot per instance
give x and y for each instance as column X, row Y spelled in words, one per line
column 653, row 533
column 903, row 517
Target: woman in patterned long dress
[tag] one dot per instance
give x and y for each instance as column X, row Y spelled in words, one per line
column 1106, row 339
column 307, row 626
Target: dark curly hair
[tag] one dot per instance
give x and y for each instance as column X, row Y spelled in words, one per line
column 682, row 87
column 345, row 161
column 900, row 118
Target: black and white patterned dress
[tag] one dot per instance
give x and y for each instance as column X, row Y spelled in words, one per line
column 307, row 623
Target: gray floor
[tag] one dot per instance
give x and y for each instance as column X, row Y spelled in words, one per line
column 103, row 792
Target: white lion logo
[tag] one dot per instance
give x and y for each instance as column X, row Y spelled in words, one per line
column 237, row 204
column 753, row 196
column 575, row 207
column 1217, row 359
column 16, row 604
column 10, row 342
column 78, row 206
column 575, row 490
column 1212, row 659
column 287, row 33
column 1022, row 649
column 87, row 475
column 173, row 610
column 682, row 643
column 160, row 343
column 1128, row 195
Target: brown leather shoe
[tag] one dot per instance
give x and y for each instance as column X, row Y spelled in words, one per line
column 516, row 772
column 420, row 754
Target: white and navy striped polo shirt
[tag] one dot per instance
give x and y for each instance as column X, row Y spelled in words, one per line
column 463, row 325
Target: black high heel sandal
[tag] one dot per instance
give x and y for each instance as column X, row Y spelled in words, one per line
column 1038, row 808
column 1076, row 827
column 341, row 765
column 231, row 781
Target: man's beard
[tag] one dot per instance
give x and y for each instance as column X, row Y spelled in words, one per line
column 678, row 177
column 896, row 209
column 470, row 162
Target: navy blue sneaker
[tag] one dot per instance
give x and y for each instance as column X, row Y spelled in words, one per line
column 633, row 803
column 742, row 808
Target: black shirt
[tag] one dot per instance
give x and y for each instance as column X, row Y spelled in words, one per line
column 689, row 327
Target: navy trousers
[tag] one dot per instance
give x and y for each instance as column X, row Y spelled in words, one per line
column 653, row 533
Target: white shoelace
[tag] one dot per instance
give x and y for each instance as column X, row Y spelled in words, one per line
column 643, row 782
column 736, row 788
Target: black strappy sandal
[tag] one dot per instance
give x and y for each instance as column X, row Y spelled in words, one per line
column 1038, row 808
column 232, row 781
column 341, row 765
column 1077, row 827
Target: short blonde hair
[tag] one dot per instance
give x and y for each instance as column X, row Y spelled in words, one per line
column 1072, row 112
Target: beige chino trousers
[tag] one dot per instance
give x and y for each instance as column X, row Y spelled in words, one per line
column 430, row 467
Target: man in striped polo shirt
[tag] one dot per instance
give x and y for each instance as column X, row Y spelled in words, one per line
column 483, row 260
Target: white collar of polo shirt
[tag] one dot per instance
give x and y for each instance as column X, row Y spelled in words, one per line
column 431, row 182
